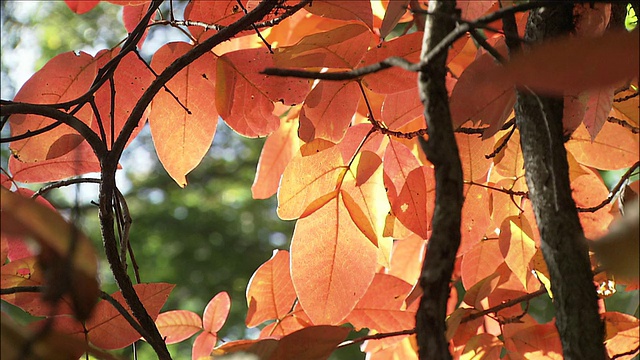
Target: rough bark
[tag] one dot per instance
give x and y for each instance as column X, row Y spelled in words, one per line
column 539, row 120
column 441, row 149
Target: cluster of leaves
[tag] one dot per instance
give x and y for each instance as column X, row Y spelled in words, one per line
column 343, row 156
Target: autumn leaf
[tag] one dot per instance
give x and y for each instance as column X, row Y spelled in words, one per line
column 622, row 334
column 382, row 306
column 340, row 48
column 599, row 105
column 183, row 122
column 81, row 6
column 578, row 63
column 309, row 182
column 278, row 150
column 133, row 14
column 536, row 341
column 406, row 258
column 65, row 77
column 178, row 325
column 341, row 10
column 327, row 248
column 517, row 246
column 203, row 345
column 327, row 111
column 614, row 148
column 244, row 96
column 270, row 293
column 480, row 261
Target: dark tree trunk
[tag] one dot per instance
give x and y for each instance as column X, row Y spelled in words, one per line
column 539, row 120
column 442, row 151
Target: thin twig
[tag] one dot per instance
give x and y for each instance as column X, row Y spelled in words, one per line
column 624, row 124
column 58, row 184
column 502, row 145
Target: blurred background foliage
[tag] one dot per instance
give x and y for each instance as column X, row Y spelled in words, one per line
column 206, row 238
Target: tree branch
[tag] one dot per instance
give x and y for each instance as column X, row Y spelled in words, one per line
column 441, row 149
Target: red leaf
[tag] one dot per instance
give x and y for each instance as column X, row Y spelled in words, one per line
column 178, row 325
column 280, row 147
column 575, row 63
column 400, row 108
column 244, row 96
column 65, row 77
column 81, row 6
column 533, row 340
column 414, row 205
column 327, row 249
column 79, row 161
column 133, row 14
column 343, row 10
column 270, row 292
column 393, row 80
column 203, row 345
column 183, row 137
column 327, row 111
column 216, row 312
column 395, row 10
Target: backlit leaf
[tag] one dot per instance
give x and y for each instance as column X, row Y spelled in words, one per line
column 306, row 179
column 244, row 96
column 216, row 312
column 623, row 334
column 81, row 6
column 203, row 345
column 270, row 293
column 588, row 191
column 535, row 341
column 400, row 108
column 406, row 258
column 381, row 307
column 178, row 325
column 327, row 249
column 280, row 147
column 517, row 246
column 395, row 10
column 63, row 78
column 183, row 136
column 342, row 47
column 482, row 346
column 614, row 148
column 132, row 15
column 328, row 109
column 343, row 10
column 480, row 261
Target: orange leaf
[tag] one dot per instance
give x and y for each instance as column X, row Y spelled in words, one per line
column 293, row 321
column 393, row 80
column 588, row 191
column 308, row 178
column 623, row 334
column 203, row 345
column 575, row 63
column 343, row 10
column 178, row 325
column 311, row 343
column 480, row 261
column 614, row 148
column 415, row 203
column 406, row 258
column 381, row 307
column 400, row 108
column 332, row 263
column 627, row 110
column 244, row 96
column 517, row 246
column 270, row 292
column 395, row 10
column 277, row 152
column 475, row 98
column 81, row 6
column 65, row 77
column 398, row 162
column 327, row 111
column 216, row 312
column 342, row 47
column 533, row 340
column 219, row 12
column 79, row 161
column 483, row 346
column 182, row 137
column 476, row 218
column 481, row 290
column 599, row 105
